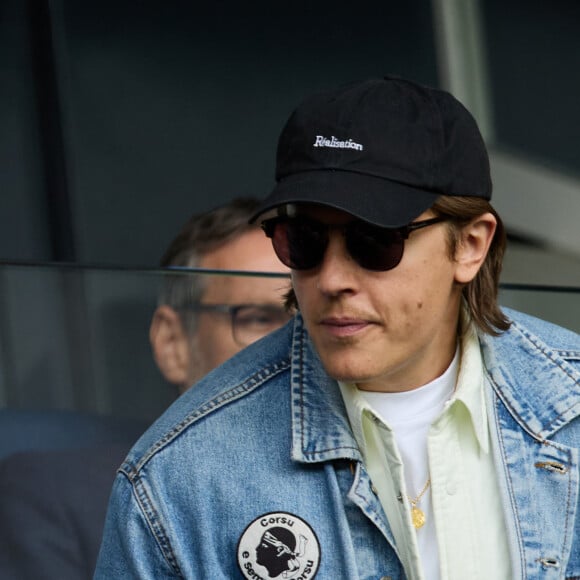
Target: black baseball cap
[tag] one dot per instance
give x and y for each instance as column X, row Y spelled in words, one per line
column 382, row 150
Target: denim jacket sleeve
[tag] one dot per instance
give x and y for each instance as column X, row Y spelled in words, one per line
column 129, row 549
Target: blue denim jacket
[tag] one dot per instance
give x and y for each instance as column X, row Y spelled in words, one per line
column 263, row 445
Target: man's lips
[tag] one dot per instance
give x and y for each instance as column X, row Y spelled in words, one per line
column 344, row 325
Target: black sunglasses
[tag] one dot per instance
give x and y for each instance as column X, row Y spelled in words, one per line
column 301, row 242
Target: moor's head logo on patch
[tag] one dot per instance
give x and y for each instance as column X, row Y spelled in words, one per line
column 279, row 545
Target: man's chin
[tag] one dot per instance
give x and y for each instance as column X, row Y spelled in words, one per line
column 346, row 374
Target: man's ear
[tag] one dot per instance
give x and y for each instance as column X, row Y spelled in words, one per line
column 473, row 245
column 170, row 344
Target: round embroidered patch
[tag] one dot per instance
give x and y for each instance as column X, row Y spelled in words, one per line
column 279, row 545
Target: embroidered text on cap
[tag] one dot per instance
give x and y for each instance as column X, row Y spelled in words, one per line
column 335, row 143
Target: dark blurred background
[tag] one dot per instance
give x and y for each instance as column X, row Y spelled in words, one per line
column 120, row 118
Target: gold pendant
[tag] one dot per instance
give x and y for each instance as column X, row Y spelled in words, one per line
column 417, row 517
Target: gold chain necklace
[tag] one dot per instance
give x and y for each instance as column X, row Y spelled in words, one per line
column 418, row 515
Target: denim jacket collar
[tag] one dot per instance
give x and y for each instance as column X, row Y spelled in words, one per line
column 320, row 426
column 540, row 388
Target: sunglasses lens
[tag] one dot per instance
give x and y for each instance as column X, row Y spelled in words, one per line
column 375, row 248
column 298, row 243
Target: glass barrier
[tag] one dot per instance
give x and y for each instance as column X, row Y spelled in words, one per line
column 77, row 338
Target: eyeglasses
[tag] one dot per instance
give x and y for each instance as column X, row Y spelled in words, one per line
column 301, row 242
column 249, row 321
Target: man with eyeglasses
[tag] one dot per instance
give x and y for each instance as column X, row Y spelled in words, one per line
column 202, row 321
column 404, row 426
column 53, row 503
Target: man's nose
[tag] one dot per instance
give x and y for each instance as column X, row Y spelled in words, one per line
column 337, row 274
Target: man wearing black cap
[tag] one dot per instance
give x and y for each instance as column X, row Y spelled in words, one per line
column 403, row 426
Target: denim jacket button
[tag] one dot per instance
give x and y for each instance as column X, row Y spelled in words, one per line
column 386, row 578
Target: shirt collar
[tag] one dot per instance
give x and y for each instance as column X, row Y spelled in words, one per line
column 469, row 389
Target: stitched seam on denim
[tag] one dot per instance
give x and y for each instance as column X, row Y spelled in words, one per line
column 548, row 355
column 545, row 352
column 568, row 503
column 223, row 399
column 314, row 454
column 569, row 495
column 512, row 410
column 510, row 494
column 371, row 515
column 154, row 522
column 572, row 355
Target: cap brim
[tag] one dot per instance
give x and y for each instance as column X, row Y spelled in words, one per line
column 385, row 203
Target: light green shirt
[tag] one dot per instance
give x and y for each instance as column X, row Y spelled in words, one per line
column 465, row 535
